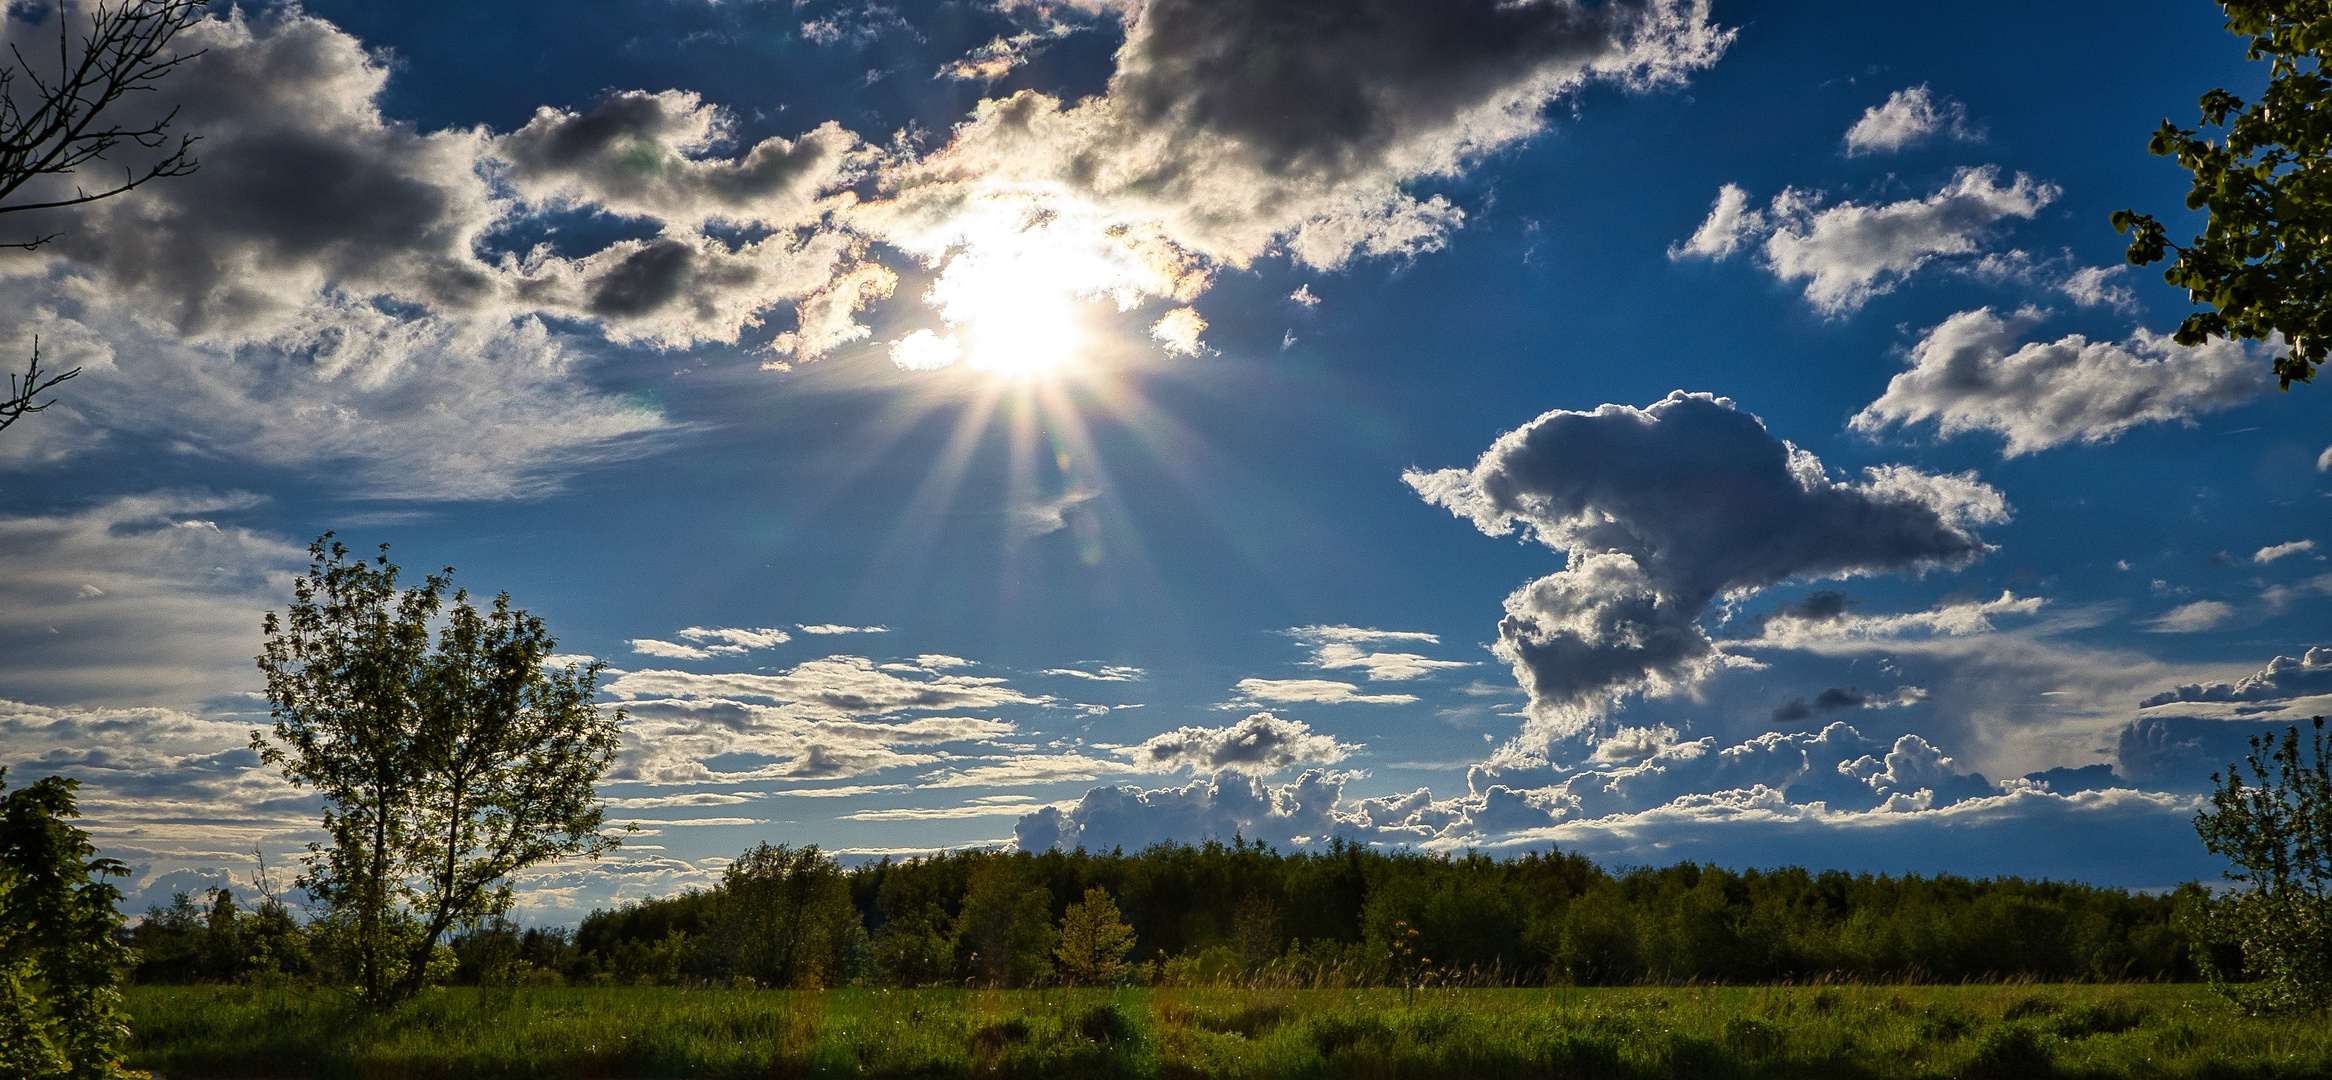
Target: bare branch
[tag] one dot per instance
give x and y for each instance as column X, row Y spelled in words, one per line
column 54, row 124
column 23, row 388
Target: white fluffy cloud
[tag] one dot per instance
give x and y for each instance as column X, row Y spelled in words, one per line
column 1976, row 372
column 1848, row 253
column 1262, row 743
column 1906, row 119
column 1663, row 510
column 2284, row 678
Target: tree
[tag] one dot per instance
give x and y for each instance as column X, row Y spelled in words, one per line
column 1094, row 941
column 786, row 917
column 2263, row 264
column 444, row 766
column 56, row 118
column 2276, row 830
column 1006, row 926
column 60, row 964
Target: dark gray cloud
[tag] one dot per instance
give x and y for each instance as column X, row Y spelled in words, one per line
column 649, row 155
column 1262, row 743
column 1832, row 700
column 1663, row 510
column 2284, row 678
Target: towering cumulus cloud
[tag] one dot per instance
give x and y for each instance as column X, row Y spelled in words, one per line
column 1663, row 510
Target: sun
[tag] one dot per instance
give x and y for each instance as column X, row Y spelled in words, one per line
column 1018, row 281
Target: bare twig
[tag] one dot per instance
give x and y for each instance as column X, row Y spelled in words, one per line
column 23, row 388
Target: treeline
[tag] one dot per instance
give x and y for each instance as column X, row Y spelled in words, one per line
column 1346, row 915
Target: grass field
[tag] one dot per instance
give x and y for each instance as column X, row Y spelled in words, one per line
column 1798, row 1033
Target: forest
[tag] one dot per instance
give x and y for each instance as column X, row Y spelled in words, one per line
column 1241, row 914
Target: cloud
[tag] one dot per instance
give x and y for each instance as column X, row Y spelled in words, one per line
column 1839, row 698
column 1356, row 635
column 1663, row 510
column 1048, row 516
column 2099, row 286
column 732, row 642
column 1314, row 691
column 1178, row 330
column 138, row 600
column 830, row 718
column 2273, row 552
column 2324, row 460
column 945, row 813
column 644, row 155
column 2192, row 618
column 1229, row 804
column 1235, row 129
column 1823, row 615
column 2284, row 678
column 1234, row 132
column 671, row 741
column 1337, row 648
column 1975, row 372
column 835, row 687
column 1028, row 770
column 1730, row 223
column 1848, row 253
column 174, row 793
column 836, row 628
column 657, row 802
column 1907, row 118
column 1261, row 744
column 1106, row 673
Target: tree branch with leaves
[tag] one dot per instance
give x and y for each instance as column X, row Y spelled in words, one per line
column 2263, row 264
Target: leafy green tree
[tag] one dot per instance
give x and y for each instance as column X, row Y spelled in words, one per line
column 786, row 917
column 914, row 948
column 2263, row 264
column 2276, row 830
column 1094, row 941
column 445, row 765
column 60, row 963
column 1006, row 925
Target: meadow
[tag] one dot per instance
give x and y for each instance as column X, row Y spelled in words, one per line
column 1804, row 1032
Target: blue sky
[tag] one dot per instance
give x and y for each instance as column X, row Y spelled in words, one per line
column 1662, row 431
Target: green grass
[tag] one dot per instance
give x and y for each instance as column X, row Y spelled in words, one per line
column 1797, row 1033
